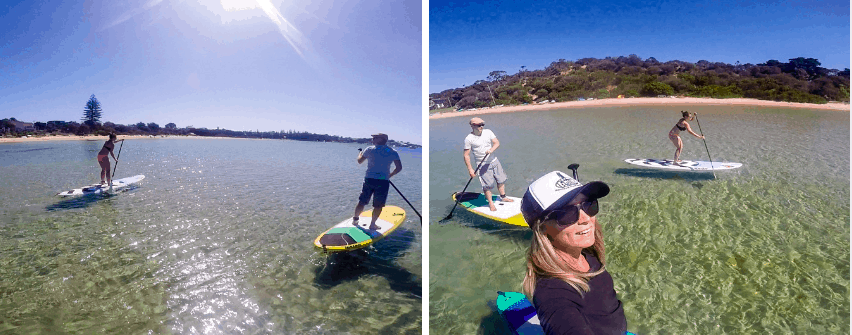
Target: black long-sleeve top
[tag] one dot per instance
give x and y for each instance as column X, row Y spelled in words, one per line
column 562, row 310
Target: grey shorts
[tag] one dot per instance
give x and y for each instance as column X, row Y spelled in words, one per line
column 491, row 174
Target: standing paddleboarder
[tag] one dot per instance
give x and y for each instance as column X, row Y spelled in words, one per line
column 103, row 158
column 483, row 143
column 379, row 157
column 674, row 134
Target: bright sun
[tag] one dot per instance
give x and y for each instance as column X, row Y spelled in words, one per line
column 237, row 5
column 290, row 33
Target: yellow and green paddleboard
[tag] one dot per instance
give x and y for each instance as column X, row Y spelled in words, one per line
column 345, row 236
column 507, row 212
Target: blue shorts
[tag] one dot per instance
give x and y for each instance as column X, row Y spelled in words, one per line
column 377, row 188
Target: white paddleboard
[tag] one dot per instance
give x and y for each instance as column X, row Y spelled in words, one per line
column 683, row 165
column 507, row 212
column 117, row 185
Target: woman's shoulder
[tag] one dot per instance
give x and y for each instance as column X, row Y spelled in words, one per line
column 551, row 286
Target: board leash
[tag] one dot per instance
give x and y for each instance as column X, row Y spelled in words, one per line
column 705, row 146
column 464, row 189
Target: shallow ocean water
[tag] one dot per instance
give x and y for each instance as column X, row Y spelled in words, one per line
column 760, row 249
column 217, row 239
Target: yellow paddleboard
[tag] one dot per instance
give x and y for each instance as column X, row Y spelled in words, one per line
column 507, row 212
column 345, row 236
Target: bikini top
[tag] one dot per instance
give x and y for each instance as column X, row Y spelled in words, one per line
column 682, row 128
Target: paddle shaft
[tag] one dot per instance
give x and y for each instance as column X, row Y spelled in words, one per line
column 705, row 146
column 406, row 200
column 116, row 161
column 465, row 188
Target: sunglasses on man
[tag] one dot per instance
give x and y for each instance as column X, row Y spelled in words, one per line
column 478, row 124
column 570, row 214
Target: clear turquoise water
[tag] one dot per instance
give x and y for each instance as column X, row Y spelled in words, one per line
column 218, row 239
column 761, row 249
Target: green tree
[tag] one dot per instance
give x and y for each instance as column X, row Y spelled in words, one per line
column 656, row 88
column 496, row 76
column 92, row 111
column 171, row 126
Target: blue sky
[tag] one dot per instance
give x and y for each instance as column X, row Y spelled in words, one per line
column 467, row 40
column 347, row 68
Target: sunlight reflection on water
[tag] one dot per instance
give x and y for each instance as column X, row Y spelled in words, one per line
column 216, row 240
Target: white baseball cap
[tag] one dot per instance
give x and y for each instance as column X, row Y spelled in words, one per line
column 555, row 190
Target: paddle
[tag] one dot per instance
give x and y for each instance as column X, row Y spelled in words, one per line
column 116, row 163
column 465, row 189
column 573, row 168
column 705, row 145
column 406, row 200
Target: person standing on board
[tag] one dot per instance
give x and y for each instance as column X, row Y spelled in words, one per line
column 379, row 157
column 103, row 158
column 483, row 143
column 566, row 270
column 674, row 134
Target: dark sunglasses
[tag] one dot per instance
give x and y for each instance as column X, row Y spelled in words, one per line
column 569, row 215
column 478, row 125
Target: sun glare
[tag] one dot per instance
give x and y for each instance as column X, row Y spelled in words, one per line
column 287, row 30
column 237, row 5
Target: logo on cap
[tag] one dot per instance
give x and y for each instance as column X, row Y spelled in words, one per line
column 566, row 182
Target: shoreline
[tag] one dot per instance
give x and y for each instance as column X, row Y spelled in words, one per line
column 103, row 138
column 629, row 102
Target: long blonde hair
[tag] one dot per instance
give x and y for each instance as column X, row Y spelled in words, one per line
column 544, row 262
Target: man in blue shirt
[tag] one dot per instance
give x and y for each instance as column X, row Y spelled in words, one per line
column 379, row 157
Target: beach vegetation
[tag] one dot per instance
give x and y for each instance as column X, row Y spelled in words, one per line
column 143, row 127
column 656, row 88
column 717, row 91
column 800, row 79
column 844, row 93
column 53, row 128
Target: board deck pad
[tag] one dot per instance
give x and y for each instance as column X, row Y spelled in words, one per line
column 684, row 165
column 519, row 313
column 345, row 236
column 117, row 185
column 507, row 212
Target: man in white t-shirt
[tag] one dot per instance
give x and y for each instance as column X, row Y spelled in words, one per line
column 483, row 143
column 377, row 179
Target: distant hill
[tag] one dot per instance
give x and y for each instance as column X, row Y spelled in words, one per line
column 798, row 80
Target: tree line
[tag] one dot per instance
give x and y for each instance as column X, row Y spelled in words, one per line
column 798, row 80
column 91, row 125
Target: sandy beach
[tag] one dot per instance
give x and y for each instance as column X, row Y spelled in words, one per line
column 96, row 138
column 644, row 101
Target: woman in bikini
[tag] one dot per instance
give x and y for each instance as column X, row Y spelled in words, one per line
column 103, row 158
column 674, row 134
